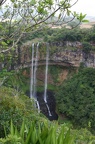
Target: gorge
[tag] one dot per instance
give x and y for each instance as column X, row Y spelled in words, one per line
column 62, row 58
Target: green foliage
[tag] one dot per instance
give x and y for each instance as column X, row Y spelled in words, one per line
column 52, row 87
column 83, row 136
column 4, row 74
column 76, row 98
column 15, row 108
column 80, row 17
column 86, row 47
column 15, row 80
column 55, row 71
column 46, row 133
column 39, row 133
column 65, row 34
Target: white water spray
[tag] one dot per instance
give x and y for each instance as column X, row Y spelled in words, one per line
column 35, row 71
column 35, row 78
column 46, row 74
column 31, row 80
column 38, row 106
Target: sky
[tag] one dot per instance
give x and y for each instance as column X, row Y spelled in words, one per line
column 85, row 6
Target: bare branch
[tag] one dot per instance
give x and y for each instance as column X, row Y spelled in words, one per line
column 2, row 2
column 74, row 3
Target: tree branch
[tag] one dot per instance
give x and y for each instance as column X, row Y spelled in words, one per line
column 38, row 23
column 2, row 2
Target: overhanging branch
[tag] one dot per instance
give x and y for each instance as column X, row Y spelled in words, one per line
column 2, row 2
column 36, row 23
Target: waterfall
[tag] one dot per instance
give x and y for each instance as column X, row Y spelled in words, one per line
column 31, row 76
column 35, row 71
column 38, row 106
column 33, row 80
column 48, row 110
column 46, row 74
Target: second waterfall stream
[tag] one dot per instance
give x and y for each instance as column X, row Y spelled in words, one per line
column 46, row 76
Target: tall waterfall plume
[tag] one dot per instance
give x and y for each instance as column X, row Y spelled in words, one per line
column 31, row 75
column 35, row 72
column 46, row 76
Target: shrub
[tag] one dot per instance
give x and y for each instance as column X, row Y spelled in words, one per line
column 86, row 47
column 15, row 108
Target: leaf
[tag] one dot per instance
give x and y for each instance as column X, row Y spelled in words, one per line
column 81, row 16
column 67, row 138
column 1, row 27
column 50, row 2
column 68, row 12
column 40, row 9
column 22, row 129
column 15, row 5
column 28, row 138
column 12, row 1
column 32, row 2
column 12, row 128
column 75, row 14
column 85, row 20
column 4, row 43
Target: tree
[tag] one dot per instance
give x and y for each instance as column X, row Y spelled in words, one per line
column 25, row 16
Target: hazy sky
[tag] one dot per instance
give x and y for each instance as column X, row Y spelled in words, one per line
column 85, row 6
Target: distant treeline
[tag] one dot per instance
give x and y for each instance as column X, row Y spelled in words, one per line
column 64, row 34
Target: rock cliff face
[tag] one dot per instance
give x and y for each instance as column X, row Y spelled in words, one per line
column 75, row 57
column 62, row 53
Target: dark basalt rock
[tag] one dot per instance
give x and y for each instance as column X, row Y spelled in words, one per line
column 51, row 103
